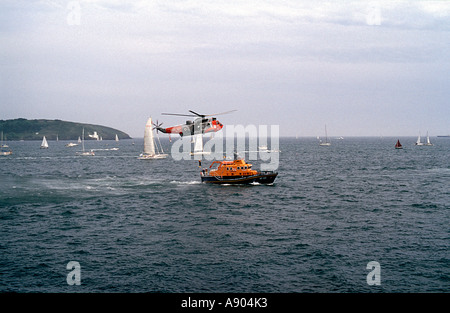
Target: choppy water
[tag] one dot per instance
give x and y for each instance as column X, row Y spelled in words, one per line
column 151, row 226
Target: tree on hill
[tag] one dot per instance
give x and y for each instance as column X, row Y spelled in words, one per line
column 23, row 129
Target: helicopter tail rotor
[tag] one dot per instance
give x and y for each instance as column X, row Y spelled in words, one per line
column 157, row 126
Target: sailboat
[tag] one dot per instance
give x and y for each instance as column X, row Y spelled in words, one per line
column 2, row 145
column 326, row 143
column 149, row 144
column 419, row 143
column 117, row 138
column 398, row 145
column 428, row 143
column 85, row 152
column 44, row 144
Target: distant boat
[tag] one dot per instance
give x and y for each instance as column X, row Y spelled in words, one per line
column 398, row 145
column 117, row 138
column 71, row 144
column 2, row 146
column 326, row 143
column 427, row 143
column 94, row 136
column 85, row 153
column 418, row 142
column 6, row 152
column 9, row 152
column 150, row 152
column 44, row 144
column 264, row 148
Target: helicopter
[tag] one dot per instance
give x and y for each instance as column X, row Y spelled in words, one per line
column 201, row 125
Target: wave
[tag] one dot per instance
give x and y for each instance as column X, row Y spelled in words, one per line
column 192, row 182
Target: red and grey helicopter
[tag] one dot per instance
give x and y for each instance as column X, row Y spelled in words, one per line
column 202, row 125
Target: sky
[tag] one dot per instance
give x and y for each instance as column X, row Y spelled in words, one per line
column 362, row 68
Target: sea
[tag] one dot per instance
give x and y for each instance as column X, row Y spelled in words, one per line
column 355, row 217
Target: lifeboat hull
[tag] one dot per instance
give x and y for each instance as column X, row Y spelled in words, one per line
column 261, row 178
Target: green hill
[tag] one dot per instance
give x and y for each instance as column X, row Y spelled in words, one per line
column 23, row 129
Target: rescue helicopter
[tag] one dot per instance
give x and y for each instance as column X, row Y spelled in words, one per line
column 203, row 124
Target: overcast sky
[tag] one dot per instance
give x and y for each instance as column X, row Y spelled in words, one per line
column 360, row 67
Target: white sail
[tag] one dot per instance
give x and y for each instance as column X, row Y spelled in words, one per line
column 326, row 143
column 149, row 144
column 44, row 144
column 428, row 141
column 2, row 145
column 117, row 138
column 85, row 152
column 198, row 143
column 418, row 143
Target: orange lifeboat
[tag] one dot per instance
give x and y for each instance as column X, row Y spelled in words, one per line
column 235, row 172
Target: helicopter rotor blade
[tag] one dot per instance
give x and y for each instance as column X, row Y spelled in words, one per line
column 220, row 113
column 200, row 115
column 197, row 114
column 190, row 115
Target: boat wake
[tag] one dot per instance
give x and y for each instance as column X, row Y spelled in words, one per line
column 110, row 149
column 192, row 182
